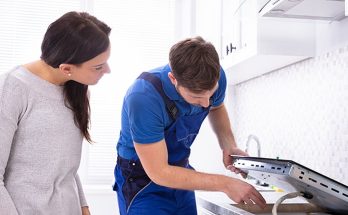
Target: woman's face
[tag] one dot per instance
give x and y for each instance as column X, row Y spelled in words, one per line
column 91, row 71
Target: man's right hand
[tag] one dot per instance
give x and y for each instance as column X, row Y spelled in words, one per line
column 242, row 192
column 154, row 158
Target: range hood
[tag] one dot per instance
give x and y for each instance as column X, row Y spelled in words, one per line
column 330, row 10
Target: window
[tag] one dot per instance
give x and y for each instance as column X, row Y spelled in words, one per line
column 23, row 24
column 142, row 34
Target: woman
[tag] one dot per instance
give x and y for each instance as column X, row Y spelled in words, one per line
column 44, row 115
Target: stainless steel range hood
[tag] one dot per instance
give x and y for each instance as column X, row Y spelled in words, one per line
column 331, row 10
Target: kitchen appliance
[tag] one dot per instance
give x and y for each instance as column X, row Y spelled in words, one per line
column 291, row 176
column 331, row 10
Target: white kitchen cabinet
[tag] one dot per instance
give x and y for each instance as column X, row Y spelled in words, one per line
column 238, row 28
column 253, row 45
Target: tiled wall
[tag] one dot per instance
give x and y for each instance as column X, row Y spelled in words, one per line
column 299, row 112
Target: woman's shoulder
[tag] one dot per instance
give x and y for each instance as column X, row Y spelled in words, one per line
column 10, row 81
column 13, row 94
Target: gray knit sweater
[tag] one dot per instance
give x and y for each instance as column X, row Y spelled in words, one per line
column 40, row 148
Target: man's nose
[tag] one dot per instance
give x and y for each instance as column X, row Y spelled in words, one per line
column 205, row 102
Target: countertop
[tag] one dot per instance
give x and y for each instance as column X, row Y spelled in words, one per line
column 219, row 203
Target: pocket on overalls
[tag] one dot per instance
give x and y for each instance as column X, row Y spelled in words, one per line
column 135, row 180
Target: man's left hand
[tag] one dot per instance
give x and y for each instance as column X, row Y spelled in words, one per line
column 228, row 160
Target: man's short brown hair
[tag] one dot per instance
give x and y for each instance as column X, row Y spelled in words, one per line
column 195, row 64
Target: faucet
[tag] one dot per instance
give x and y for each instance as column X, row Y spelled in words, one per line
column 250, row 138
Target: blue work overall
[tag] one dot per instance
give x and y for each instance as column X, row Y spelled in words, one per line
column 137, row 194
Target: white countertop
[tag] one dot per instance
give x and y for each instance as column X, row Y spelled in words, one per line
column 270, row 197
column 220, row 202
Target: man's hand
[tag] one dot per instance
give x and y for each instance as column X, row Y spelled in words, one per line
column 228, row 160
column 243, row 193
column 85, row 210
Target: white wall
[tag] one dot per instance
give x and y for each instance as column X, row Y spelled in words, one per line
column 208, row 21
column 101, row 200
column 330, row 36
column 299, row 112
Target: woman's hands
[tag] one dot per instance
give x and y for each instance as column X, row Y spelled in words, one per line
column 85, row 210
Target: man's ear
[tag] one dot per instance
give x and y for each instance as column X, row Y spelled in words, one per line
column 66, row 69
column 172, row 78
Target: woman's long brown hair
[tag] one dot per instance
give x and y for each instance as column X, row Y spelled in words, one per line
column 75, row 38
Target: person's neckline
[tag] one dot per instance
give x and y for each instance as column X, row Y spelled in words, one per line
column 41, row 70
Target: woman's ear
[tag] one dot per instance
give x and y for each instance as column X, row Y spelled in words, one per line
column 66, row 69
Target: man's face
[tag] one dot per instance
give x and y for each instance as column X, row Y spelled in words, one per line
column 199, row 99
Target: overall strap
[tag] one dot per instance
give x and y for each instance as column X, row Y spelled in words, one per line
column 157, row 83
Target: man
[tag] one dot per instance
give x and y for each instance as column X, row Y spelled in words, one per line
column 161, row 116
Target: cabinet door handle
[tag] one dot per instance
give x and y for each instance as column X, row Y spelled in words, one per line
column 230, row 48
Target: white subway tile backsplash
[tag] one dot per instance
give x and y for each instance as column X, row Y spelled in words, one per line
column 299, row 112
